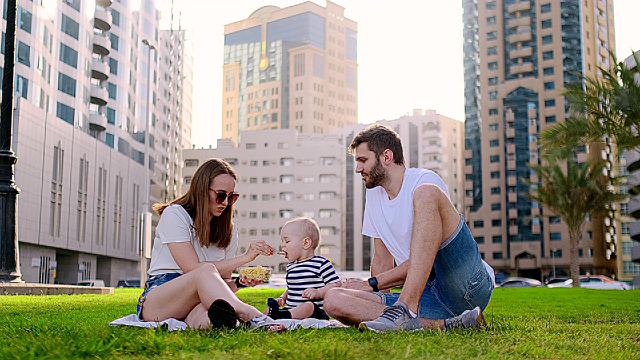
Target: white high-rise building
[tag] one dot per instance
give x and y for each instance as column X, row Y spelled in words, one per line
column 87, row 82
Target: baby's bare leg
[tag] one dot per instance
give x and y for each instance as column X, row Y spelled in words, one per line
column 302, row 311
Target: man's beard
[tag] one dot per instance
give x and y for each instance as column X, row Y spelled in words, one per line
column 376, row 176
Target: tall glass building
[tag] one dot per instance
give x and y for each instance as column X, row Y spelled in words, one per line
column 89, row 77
column 291, row 68
column 518, row 57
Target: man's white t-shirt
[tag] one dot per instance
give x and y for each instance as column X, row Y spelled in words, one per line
column 176, row 226
column 392, row 220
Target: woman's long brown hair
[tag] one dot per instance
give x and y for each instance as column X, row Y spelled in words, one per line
column 217, row 230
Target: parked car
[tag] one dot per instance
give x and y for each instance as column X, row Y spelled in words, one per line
column 129, row 283
column 558, row 282
column 594, row 282
column 94, row 283
column 519, row 282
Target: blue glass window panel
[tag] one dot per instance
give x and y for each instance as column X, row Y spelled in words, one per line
column 351, row 77
column 67, row 84
column 66, row 113
column 303, row 29
column 68, row 55
column 24, row 19
column 318, row 65
column 352, row 45
column 250, row 35
column 550, row 103
column 70, row 27
column 109, row 140
column 111, row 116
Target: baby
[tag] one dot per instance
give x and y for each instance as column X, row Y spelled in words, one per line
column 309, row 276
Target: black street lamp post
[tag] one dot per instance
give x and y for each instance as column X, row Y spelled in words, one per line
column 9, row 259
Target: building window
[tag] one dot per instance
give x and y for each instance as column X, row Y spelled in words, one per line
column 101, row 206
column 66, row 113
column 494, row 158
column 549, row 85
column 555, row 236
column 477, row 224
column 547, row 39
column 68, row 56
column 495, row 190
column 491, row 5
column 479, row 239
column 66, row 84
column 492, row 35
column 547, row 55
column 56, row 191
column 115, row 16
column 497, row 255
column 113, row 66
column 496, row 222
column 496, row 206
column 548, row 71
column 491, row 20
column 24, row 19
column 111, row 116
column 493, row 112
column 493, row 81
column 83, row 182
column 493, row 50
column 70, row 27
column 546, row 24
column 493, row 127
column 113, row 90
column 115, row 41
column 545, row 8
column 494, row 143
column 496, row 239
column 550, row 103
column 493, row 95
column 24, row 54
column 492, row 65
column 550, row 119
column 495, row 174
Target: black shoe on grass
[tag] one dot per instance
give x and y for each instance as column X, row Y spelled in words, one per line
column 222, row 315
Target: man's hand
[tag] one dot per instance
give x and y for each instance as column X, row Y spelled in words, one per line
column 311, row 293
column 280, row 301
column 357, row 285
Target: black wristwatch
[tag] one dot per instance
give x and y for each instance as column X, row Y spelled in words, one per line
column 373, row 282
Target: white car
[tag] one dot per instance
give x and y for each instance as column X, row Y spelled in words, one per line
column 594, row 282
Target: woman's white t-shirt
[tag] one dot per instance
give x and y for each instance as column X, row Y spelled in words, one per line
column 392, row 220
column 176, row 226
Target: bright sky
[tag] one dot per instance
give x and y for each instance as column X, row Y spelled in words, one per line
column 409, row 54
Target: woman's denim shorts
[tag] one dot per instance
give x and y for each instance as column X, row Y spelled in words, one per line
column 459, row 280
column 153, row 281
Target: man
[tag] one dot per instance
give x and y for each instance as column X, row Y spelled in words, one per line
column 446, row 284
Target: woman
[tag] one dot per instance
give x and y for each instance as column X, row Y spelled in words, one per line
column 193, row 256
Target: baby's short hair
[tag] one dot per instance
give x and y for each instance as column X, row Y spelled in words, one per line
column 309, row 228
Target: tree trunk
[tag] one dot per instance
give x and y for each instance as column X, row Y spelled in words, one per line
column 574, row 266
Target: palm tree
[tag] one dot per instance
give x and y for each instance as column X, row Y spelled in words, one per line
column 572, row 195
column 601, row 107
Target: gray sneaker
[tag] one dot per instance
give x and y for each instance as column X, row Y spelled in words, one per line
column 470, row 319
column 396, row 317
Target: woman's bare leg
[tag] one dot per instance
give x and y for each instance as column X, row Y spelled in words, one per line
column 177, row 298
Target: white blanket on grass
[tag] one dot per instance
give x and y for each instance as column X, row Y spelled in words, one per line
column 173, row 324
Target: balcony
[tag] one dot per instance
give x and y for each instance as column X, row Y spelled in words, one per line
column 101, row 45
column 634, row 230
column 524, row 68
column 512, row 181
column 520, row 37
column 99, row 69
column 633, row 161
column 513, row 213
column 511, row 133
column 97, row 122
column 519, row 6
column 104, row 3
column 604, row 53
column 522, row 21
column 99, row 95
column 602, row 36
column 524, row 52
column 634, row 206
column 102, row 19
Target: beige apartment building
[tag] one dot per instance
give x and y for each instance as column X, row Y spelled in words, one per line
column 290, row 68
column 518, row 54
column 284, row 174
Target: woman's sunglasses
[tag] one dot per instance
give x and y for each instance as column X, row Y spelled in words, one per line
column 221, row 196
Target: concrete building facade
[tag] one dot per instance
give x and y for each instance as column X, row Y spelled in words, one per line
column 290, row 68
column 518, row 56
column 284, row 174
column 87, row 85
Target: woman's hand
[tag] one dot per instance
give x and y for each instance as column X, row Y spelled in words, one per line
column 244, row 280
column 258, row 247
column 311, row 293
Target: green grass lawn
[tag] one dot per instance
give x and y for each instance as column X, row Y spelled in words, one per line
column 522, row 324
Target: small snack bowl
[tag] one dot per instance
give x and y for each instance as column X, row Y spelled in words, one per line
column 258, row 273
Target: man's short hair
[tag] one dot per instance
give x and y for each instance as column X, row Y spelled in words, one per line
column 379, row 138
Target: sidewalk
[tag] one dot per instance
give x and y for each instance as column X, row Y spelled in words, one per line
column 51, row 289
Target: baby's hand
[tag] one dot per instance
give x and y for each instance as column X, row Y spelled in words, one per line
column 280, row 301
column 311, row 293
